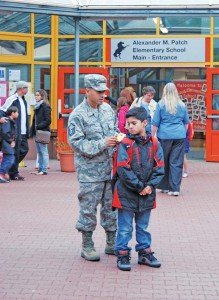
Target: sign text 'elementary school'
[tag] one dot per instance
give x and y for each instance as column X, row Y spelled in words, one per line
column 158, row 50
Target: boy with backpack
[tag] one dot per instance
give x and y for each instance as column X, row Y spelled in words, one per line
column 8, row 138
column 138, row 169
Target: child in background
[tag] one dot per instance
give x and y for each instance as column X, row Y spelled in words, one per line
column 122, row 109
column 8, row 143
column 189, row 137
column 134, row 195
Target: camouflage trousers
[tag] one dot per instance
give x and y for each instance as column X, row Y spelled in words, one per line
column 90, row 195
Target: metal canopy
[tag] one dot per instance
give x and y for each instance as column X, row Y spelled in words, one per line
column 116, row 4
column 101, row 9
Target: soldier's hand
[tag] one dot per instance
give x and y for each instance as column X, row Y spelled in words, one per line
column 110, row 141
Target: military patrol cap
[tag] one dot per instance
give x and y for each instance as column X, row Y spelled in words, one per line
column 96, row 82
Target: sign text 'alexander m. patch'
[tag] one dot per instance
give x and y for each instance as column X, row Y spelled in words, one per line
column 158, row 50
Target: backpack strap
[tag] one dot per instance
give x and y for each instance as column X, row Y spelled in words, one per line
column 130, row 143
column 159, row 163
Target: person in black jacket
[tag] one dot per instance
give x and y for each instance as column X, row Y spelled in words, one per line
column 21, row 146
column 41, row 121
column 139, row 172
column 8, row 134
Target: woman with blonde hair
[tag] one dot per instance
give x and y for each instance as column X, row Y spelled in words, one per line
column 170, row 124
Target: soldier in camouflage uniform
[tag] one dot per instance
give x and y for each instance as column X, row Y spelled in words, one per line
column 92, row 134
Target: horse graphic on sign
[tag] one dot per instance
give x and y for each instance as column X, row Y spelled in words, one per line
column 120, row 47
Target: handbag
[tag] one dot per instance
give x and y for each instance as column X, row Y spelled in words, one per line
column 42, row 136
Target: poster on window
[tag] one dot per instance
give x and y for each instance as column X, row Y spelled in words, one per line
column 3, row 92
column 2, row 74
column 192, row 94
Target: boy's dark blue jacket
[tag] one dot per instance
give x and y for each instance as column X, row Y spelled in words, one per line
column 13, row 100
column 146, row 168
column 8, row 136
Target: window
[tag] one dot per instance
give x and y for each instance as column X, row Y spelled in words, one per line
column 216, row 50
column 14, row 21
column 67, row 26
column 216, row 25
column 42, row 78
column 91, row 50
column 66, row 49
column 42, row 24
column 146, row 26
column 42, row 49
column 8, row 47
column 186, row 25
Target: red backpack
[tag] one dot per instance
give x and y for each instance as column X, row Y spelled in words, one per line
column 130, row 143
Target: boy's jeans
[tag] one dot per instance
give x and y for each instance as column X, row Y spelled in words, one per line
column 125, row 228
column 7, row 162
column 43, row 156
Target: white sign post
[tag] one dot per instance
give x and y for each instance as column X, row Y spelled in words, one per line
column 156, row 50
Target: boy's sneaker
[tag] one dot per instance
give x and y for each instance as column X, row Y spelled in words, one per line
column 146, row 257
column 173, row 193
column 3, row 180
column 185, row 174
column 123, row 260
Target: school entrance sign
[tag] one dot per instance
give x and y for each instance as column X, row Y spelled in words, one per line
column 158, row 50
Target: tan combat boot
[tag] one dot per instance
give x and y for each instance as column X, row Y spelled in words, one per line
column 88, row 251
column 110, row 242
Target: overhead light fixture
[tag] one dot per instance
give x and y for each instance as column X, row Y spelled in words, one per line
column 163, row 29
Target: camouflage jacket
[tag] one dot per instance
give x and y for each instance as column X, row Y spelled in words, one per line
column 87, row 130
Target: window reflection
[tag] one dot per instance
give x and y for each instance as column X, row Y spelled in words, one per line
column 215, row 124
column 67, row 26
column 66, row 49
column 42, row 24
column 42, row 78
column 13, row 47
column 188, row 25
column 69, row 81
column 215, row 82
column 69, row 100
column 14, row 21
column 42, row 49
column 91, row 50
column 216, row 49
column 215, row 102
column 146, row 26
column 216, row 25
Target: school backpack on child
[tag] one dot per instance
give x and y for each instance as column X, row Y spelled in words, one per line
column 129, row 142
column 190, row 131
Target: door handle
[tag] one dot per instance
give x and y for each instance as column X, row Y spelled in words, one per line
column 212, row 116
column 63, row 115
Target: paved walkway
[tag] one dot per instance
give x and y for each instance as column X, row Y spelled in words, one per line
column 40, row 249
